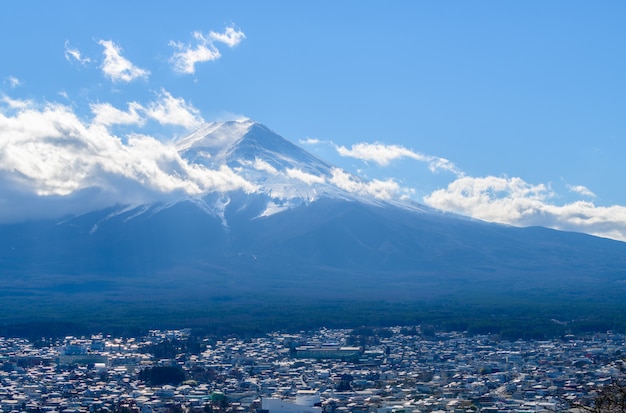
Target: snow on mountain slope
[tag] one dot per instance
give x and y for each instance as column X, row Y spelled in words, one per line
column 241, row 144
column 283, row 172
column 214, row 137
column 278, row 175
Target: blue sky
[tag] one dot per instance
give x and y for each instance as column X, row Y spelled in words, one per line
column 505, row 111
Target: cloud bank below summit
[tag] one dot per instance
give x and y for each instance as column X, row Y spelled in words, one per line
column 516, row 202
column 48, row 153
column 506, row 200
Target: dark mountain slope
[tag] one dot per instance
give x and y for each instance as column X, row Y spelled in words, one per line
column 347, row 243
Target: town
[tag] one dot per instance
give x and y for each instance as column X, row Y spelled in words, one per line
column 385, row 370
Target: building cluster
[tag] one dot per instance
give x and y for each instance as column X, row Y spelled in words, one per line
column 324, row 371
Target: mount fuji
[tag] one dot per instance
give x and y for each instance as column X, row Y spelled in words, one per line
column 296, row 228
column 285, row 174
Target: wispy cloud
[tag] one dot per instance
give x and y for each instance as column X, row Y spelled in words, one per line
column 74, row 55
column 516, row 202
column 309, row 141
column 105, row 114
column 229, row 37
column 186, row 56
column 385, row 190
column 582, row 190
column 261, row 165
column 384, row 154
column 118, row 68
column 227, row 116
column 15, row 103
column 169, row 110
column 305, row 177
column 12, row 82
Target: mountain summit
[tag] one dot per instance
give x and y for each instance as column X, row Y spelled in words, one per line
column 247, row 143
column 284, row 174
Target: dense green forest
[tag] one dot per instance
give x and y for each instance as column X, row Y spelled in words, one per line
column 508, row 317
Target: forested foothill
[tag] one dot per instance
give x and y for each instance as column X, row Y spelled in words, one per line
column 510, row 318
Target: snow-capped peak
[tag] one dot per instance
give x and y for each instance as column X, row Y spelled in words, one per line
column 215, row 136
column 242, row 144
column 285, row 174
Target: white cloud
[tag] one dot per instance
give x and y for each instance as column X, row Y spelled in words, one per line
column 118, row 68
column 263, row 166
column 186, row 56
column 582, row 190
column 169, row 110
column 105, row 114
column 49, row 155
column 273, row 208
column 226, row 116
column 516, row 202
column 230, row 37
column 383, row 155
column 305, row 177
column 74, row 55
column 12, row 82
column 385, row 190
column 310, row 141
column 15, row 103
